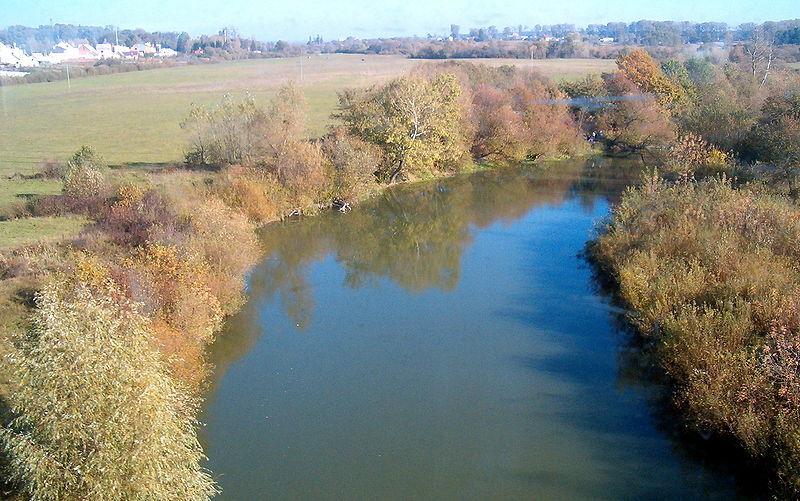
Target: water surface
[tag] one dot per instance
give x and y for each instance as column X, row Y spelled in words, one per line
column 444, row 340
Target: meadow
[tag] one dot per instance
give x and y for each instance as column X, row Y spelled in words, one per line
column 132, row 119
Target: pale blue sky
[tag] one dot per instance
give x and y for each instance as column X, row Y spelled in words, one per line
column 297, row 19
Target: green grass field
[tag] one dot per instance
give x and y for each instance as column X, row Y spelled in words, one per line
column 23, row 231
column 132, row 119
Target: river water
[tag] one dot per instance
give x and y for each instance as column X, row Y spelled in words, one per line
column 445, row 340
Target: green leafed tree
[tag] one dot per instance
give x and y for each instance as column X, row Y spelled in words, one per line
column 96, row 414
column 417, row 121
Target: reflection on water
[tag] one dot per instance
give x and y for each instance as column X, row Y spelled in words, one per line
column 444, row 340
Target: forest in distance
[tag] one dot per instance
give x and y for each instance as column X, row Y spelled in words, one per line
column 692, row 136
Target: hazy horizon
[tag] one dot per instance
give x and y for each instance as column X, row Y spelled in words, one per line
column 359, row 18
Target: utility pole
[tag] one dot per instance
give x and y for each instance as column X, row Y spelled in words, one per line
column 116, row 34
column 69, row 85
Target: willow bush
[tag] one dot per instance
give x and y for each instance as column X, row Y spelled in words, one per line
column 713, row 274
column 83, row 175
column 97, row 415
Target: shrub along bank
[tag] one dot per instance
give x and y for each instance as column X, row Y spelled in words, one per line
column 712, row 275
column 710, row 269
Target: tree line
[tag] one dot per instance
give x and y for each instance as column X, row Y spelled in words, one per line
column 643, row 32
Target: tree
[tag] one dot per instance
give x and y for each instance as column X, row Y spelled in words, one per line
column 677, row 73
column 417, row 121
column 96, row 414
column 225, row 134
column 184, row 42
column 83, row 176
column 286, row 117
column 550, row 127
column 700, row 71
column 281, row 46
column 500, row 133
column 778, row 130
column 633, row 123
column 354, row 164
column 641, row 69
column 760, row 53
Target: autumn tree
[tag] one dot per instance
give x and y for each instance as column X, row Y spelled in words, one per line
column 499, row 130
column 677, row 73
column 760, row 54
column 551, row 129
column 641, row 69
column 223, row 134
column 284, row 122
column 778, row 130
column 83, row 176
column 416, row 120
column 633, row 123
column 516, row 114
column 722, row 113
column 353, row 163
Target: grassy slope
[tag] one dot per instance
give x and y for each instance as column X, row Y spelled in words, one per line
column 19, row 232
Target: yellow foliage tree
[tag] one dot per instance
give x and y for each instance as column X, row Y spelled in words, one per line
column 417, row 121
column 640, row 68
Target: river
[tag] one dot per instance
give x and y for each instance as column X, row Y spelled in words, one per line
column 445, row 340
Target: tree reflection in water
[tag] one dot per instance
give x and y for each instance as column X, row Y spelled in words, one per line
column 414, row 235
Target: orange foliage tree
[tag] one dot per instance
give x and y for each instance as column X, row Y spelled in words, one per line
column 641, row 69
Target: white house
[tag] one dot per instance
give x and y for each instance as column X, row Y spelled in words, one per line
column 12, row 73
column 166, row 52
column 63, row 51
column 87, row 52
column 144, row 49
column 124, row 52
column 16, row 57
column 106, row 51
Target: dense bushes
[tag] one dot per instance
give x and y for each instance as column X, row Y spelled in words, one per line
column 97, row 415
column 100, row 68
column 163, row 249
column 713, row 274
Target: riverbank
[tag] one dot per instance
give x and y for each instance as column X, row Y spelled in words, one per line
column 710, row 274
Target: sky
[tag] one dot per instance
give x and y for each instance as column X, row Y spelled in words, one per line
column 297, row 19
